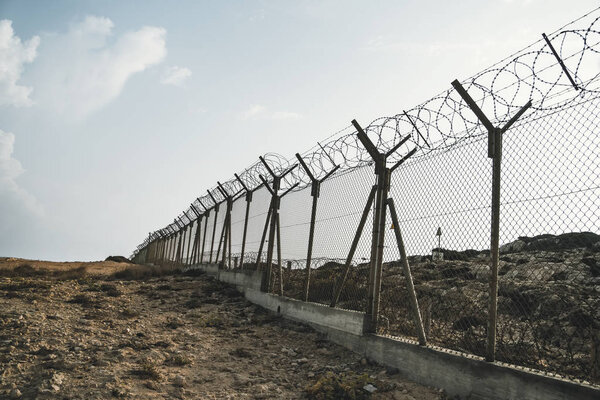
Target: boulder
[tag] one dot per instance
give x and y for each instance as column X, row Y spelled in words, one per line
column 513, row 247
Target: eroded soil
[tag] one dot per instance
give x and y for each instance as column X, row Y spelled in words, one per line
column 176, row 336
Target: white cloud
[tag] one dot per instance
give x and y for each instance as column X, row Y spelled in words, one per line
column 13, row 54
column 253, row 112
column 176, row 76
column 10, row 170
column 85, row 68
column 258, row 111
column 285, row 115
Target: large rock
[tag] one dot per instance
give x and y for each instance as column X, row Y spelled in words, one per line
column 513, row 247
column 566, row 241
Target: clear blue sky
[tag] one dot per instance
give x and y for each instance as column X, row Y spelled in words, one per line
column 115, row 115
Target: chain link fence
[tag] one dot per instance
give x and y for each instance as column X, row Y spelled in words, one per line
column 396, row 219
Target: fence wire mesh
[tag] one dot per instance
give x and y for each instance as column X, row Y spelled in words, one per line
column 548, row 280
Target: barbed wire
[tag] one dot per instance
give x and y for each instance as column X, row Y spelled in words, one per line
column 551, row 81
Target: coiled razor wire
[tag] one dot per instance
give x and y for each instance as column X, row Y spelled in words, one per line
column 444, row 121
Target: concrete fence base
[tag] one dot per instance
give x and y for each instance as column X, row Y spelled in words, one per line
column 457, row 373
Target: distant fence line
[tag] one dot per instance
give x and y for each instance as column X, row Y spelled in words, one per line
column 509, row 156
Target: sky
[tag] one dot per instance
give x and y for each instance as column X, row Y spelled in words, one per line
column 115, row 115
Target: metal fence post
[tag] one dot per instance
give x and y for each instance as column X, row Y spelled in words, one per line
column 315, row 191
column 495, row 153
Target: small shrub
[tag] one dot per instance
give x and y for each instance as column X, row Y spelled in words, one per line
column 148, row 371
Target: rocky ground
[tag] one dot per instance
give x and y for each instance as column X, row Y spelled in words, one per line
column 81, row 336
column 548, row 300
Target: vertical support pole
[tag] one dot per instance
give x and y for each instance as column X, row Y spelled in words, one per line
column 183, row 242
column 229, row 241
column 168, row 249
column 212, row 241
column 187, row 258
column 494, row 246
column 273, row 226
column 178, row 249
column 204, row 239
column 412, row 295
column 279, row 256
column 495, row 153
column 376, row 248
column 315, row 191
column 380, row 247
column 248, row 201
column 160, row 251
column 225, row 234
column 196, row 241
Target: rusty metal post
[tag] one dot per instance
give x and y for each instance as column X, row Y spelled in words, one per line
column 495, row 153
column 412, row 295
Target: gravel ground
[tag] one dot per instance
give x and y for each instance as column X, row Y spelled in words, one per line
column 177, row 336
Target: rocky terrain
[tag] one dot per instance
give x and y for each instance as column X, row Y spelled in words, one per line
column 548, row 300
column 140, row 332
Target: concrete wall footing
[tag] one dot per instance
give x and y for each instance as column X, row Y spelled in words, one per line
column 458, row 374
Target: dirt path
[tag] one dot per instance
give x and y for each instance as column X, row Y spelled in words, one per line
column 187, row 337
